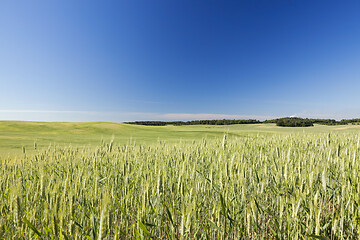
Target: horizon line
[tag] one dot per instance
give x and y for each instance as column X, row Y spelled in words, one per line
column 117, row 116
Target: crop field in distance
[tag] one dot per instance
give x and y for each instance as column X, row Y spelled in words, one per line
column 116, row 181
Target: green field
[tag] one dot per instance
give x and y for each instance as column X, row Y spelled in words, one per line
column 114, row 181
column 14, row 135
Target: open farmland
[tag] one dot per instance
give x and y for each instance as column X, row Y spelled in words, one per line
column 218, row 182
column 15, row 136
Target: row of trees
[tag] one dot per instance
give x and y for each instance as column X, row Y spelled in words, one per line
column 306, row 121
column 334, row 122
column 349, row 121
column 284, row 122
column 197, row 122
column 294, row 122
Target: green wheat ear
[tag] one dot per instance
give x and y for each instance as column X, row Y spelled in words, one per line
column 251, row 187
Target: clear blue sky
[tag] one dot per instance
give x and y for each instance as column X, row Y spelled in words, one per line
column 139, row 60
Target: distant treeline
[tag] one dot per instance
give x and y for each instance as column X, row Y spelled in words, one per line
column 306, row 122
column 196, row 122
column 284, row 122
column 291, row 122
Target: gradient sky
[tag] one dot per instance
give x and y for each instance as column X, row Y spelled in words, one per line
column 174, row 60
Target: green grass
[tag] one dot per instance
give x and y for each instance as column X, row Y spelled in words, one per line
column 14, row 135
column 101, row 180
column 288, row 185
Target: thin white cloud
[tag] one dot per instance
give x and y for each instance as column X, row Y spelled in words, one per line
column 117, row 116
column 75, row 116
column 43, row 111
column 80, row 112
column 66, row 115
column 199, row 116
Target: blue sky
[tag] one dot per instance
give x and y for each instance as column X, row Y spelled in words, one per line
column 177, row 60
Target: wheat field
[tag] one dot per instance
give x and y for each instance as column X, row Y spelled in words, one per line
column 256, row 187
